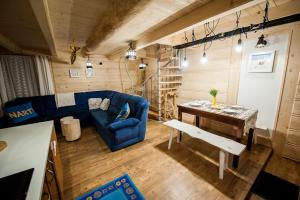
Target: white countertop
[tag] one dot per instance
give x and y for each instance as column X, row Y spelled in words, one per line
column 27, row 147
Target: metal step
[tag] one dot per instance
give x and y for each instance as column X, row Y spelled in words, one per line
column 166, row 89
column 170, row 67
column 171, row 75
column 170, row 82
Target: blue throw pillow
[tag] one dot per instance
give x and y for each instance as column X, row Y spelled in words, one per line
column 20, row 113
column 124, row 113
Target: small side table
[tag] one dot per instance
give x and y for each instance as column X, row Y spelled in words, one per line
column 62, row 121
column 71, row 129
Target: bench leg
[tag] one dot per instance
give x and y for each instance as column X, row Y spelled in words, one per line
column 178, row 136
column 223, row 163
column 170, row 139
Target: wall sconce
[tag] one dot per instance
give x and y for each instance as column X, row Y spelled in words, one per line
column 142, row 65
column 131, row 53
column 261, row 42
column 89, row 68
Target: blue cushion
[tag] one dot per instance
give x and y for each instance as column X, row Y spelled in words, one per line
column 81, row 100
column 20, row 113
column 102, row 117
column 123, row 123
column 126, row 134
column 124, row 112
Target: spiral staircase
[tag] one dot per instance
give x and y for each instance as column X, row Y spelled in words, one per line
column 161, row 88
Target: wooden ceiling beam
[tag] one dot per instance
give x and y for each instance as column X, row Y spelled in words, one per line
column 41, row 12
column 115, row 16
column 208, row 12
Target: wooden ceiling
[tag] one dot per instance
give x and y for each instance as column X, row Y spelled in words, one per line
column 106, row 26
column 19, row 28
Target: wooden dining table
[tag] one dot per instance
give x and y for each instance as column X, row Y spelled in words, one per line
column 243, row 120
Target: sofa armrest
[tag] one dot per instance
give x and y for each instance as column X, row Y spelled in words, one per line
column 123, row 124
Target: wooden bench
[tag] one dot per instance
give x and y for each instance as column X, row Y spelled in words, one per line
column 225, row 145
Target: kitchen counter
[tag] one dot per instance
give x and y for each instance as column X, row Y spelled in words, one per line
column 27, row 147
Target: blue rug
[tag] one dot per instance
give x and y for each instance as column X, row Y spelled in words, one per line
column 121, row 188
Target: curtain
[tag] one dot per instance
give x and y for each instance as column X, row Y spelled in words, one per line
column 45, row 78
column 19, row 77
column 24, row 76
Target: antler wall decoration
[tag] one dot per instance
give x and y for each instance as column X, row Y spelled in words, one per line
column 74, row 50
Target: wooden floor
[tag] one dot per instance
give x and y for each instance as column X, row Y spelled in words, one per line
column 188, row 171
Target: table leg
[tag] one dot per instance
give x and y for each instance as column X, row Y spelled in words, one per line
column 250, row 139
column 170, row 139
column 198, row 121
column 180, row 119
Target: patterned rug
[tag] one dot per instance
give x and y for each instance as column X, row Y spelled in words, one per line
column 121, row 188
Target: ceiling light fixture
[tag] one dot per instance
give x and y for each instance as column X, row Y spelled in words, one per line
column 239, row 47
column 185, row 63
column 204, row 58
column 261, row 42
column 131, row 53
column 142, row 65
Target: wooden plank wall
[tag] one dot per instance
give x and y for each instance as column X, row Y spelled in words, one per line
column 106, row 77
column 292, row 145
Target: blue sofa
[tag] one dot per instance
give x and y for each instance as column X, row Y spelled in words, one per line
column 117, row 135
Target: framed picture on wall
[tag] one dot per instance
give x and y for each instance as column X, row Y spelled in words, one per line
column 74, row 73
column 261, row 62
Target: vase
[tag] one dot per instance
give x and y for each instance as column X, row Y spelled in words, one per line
column 214, row 101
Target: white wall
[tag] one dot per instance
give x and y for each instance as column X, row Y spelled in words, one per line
column 262, row 90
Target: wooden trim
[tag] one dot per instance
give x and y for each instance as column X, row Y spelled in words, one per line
column 287, row 53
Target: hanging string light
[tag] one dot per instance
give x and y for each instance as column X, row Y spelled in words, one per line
column 207, row 32
column 261, row 40
column 89, row 63
column 238, row 47
column 204, row 57
column 185, row 62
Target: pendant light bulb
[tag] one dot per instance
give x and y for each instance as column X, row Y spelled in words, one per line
column 239, row 46
column 185, row 63
column 204, row 58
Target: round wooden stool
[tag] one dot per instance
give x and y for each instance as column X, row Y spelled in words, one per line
column 71, row 129
column 61, row 123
